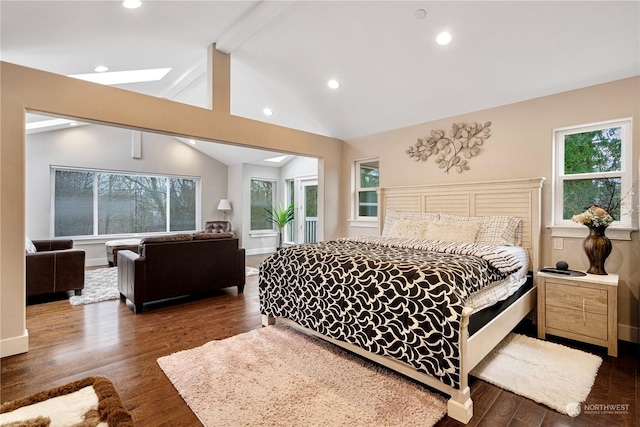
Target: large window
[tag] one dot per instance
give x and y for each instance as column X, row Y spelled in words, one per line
column 96, row 203
column 262, row 198
column 592, row 166
column 367, row 174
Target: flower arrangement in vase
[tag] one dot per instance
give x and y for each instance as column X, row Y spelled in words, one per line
column 596, row 245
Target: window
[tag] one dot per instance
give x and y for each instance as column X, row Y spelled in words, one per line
column 291, row 193
column 367, row 174
column 592, row 165
column 96, row 203
column 262, row 197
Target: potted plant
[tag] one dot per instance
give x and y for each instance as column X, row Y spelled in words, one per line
column 280, row 217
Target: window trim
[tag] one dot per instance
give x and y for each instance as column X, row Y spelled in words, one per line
column 265, row 232
column 99, row 237
column 356, row 219
column 621, row 228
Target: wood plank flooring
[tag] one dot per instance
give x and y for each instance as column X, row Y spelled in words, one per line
column 68, row 343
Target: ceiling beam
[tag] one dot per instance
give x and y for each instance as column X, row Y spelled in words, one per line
column 251, row 24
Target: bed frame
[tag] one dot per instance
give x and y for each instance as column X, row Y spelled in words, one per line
column 520, row 198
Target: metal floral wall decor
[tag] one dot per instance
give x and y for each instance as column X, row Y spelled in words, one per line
column 464, row 142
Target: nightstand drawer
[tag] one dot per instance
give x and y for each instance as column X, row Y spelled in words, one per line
column 577, row 298
column 587, row 324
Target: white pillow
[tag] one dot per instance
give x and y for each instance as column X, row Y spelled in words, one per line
column 391, row 217
column 409, row 229
column 29, row 246
column 450, row 231
column 494, row 230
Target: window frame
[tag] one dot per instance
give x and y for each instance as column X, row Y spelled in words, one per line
column 95, row 195
column 566, row 227
column 274, row 192
column 357, row 189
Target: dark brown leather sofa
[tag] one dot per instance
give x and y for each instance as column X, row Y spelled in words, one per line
column 180, row 265
column 54, row 267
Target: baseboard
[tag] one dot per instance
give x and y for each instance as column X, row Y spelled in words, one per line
column 629, row 333
column 260, row 251
column 15, row 345
column 96, row 262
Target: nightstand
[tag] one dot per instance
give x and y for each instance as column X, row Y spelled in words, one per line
column 582, row 308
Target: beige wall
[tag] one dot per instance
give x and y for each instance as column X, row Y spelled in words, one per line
column 520, row 146
column 25, row 89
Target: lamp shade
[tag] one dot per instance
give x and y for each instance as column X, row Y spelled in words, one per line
column 224, row 205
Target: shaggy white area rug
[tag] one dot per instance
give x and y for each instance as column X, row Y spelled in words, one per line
column 552, row 374
column 280, row 377
column 99, row 285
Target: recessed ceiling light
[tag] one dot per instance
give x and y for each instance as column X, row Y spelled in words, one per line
column 101, row 69
column 73, row 124
column 192, row 142
column 131, row 4
column 267, row 111
column 333, row 84
column 123, row 77
column 420, row 14
column 444, row 38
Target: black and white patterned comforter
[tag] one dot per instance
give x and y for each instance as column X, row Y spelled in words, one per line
column 393, row 297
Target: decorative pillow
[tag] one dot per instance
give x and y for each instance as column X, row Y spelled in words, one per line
column 29, row 246
column 391, row 217
column 494, row 230
column 409, row 229
column 451, row 231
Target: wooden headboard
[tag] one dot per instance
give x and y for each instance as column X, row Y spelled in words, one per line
column 520, row 198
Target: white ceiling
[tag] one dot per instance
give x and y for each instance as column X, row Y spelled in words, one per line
column 391, row 71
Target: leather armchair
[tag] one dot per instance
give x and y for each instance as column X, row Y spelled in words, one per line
column 55, row 267
column 217, row 227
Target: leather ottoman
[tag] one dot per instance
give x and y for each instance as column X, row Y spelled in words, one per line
column 113, row 246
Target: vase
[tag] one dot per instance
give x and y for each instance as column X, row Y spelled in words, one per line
column 597, row 246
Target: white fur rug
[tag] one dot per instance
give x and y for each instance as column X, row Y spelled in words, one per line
column 552, row 374
column 276, row 376
column 99, row 285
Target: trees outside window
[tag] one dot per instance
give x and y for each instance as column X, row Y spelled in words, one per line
column 89, row 203
column 592, row 166
column 367, row 181
column 262, row 199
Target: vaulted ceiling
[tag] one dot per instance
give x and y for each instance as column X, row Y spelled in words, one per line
column 391, row 71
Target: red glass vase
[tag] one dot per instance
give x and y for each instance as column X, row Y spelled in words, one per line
column 597, row 246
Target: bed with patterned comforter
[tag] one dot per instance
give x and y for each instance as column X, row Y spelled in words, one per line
column 398, row 298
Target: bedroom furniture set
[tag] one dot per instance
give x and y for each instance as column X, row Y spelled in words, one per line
column 412, row 300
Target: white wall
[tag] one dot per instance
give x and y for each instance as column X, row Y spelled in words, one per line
column 109, row 148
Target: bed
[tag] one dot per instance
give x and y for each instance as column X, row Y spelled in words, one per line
column 418, row 299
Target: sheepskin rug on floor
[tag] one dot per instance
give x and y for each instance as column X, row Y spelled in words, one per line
column 552, row 374
column 280, row 377
column 99, row 285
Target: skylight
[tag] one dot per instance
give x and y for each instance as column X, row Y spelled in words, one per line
column 124, row 77
column 276, row 159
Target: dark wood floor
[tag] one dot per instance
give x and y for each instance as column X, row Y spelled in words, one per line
column 68, row 343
